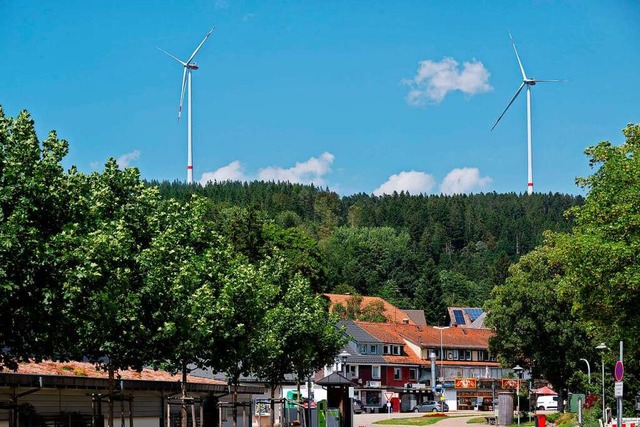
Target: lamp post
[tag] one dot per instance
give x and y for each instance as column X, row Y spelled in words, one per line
column 347, row 413
column 588, row 370
column 601, row 348
column 343, row 361
column 441, row 328
column 518, row 370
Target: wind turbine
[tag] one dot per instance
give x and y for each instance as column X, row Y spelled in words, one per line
column 186, row 78
column 526, row 81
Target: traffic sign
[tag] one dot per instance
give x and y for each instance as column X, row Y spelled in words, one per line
column 388, row 395
column 618, row 389
column 618, row 372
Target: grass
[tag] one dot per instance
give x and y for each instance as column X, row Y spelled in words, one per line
column 413, row 421
column 432, row 419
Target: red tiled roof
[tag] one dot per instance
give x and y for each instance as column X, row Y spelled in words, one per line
column 388, row 333
column 455, row 337
column 88, row 370
column 391, row 312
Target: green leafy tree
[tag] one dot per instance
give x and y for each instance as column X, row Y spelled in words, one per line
column 534, row 324
column 34, row 208
column 602, row 273
column 233, row 312
column 370, row 259
column 458, row 290
column 356, row 310
column 98, row 255
column 428, row 295
column 298, row 337
column 185, row 258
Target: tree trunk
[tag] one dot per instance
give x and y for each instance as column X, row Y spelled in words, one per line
column 272, row 416
column 183, row 403
column 235, row 403
column 112, row 387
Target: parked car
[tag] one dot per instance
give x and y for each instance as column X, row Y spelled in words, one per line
column 547, row 403
column 431, row 406
column 358, row 406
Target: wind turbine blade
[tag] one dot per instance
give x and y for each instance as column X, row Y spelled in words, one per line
column 200, row 45
column 184, row 81
column 509, row 104
column 524, row 75
column 184, row 64
column 543, row 81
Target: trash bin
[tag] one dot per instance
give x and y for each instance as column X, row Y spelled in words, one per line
column 541, row 420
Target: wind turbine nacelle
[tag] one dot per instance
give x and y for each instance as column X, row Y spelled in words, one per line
column 192, row 66
column 531, row 81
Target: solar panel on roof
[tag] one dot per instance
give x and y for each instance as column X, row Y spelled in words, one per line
column 459, row 317
column 474, row 313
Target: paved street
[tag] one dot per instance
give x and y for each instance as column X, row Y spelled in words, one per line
column 455, row 420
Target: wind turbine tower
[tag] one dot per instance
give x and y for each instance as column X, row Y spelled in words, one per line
column 528, row 82
column 188, row 66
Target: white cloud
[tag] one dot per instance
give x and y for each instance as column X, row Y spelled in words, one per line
column 311, row 171
column 463, row 180
column 412, row 182
column 434, row 80
column 126, row 159
column 232, row 172
column 248, row 17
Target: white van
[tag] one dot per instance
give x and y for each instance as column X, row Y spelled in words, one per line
column 547, row 403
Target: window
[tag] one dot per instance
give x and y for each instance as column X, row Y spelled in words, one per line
column 465, row 355
column 482, row 355
column 452, row 355
column 353, row 370
column 413, row 374
column 373, row 349
column 397, row 350
column 375, row 371
column 385, row 349
column 362, row 348
column 371, row 398
column 397, row 374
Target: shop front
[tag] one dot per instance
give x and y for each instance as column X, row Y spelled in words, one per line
column 474, row 394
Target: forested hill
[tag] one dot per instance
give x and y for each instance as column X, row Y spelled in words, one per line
column 405, row 248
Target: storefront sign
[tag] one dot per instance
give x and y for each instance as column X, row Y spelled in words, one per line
column 509, row 383
column 466, row 383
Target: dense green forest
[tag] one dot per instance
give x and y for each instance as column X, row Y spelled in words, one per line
column 424, row 252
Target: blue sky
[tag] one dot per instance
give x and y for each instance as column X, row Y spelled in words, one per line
column 359, row 96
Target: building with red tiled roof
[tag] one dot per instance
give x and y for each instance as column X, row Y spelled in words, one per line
column 397, row 358
column 390, row 311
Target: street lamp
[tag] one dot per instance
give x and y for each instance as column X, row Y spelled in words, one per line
column 343, row 360
column 441, row 328
column 601, row 348
column 518, row 370
column 588, row 370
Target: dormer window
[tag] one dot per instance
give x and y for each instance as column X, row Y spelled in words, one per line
column 362, row 348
